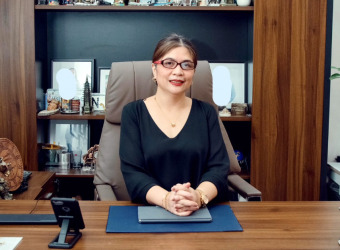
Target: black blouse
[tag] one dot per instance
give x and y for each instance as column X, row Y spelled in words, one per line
column 149, row 157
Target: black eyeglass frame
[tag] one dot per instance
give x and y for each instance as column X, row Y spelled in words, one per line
column 177, row 63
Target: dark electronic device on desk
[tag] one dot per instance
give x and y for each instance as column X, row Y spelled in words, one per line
column 27, row 219
column 155, row 214
column 70, row 220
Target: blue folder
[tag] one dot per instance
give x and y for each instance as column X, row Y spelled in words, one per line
column 124, row 219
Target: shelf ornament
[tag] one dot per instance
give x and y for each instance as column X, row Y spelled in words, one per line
column 87, row 109
column 11, row 168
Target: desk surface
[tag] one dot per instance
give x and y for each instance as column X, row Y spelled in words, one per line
column 267, row 225
column 39, row 184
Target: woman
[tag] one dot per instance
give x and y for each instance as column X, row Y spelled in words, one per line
column 171, row 148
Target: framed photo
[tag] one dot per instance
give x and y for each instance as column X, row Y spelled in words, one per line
column 103, row 77
column 98, row 101
column 228, row 83
column 72, row 135
column 81, row 68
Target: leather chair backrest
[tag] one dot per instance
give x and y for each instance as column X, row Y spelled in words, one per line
column 130, row 81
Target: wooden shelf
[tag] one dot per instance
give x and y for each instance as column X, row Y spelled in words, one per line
column 236, row 118
column 142, row 8
column 70, row 172
column 96, row 115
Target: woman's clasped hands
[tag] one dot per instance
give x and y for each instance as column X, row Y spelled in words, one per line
column 183, row 200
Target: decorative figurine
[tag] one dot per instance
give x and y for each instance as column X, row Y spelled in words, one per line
column 4, row 167
column 87, row 109
column 4, row 189
column 11, row 168
column 91, row 156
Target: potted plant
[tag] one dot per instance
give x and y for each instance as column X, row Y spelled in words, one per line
column 335, row 75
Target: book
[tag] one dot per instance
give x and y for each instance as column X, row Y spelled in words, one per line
column 7, row 243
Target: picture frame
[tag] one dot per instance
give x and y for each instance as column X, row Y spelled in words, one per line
column 234, row 90
column 102, row 79
column 70, row 134
column 81, row 68
column 98, row 101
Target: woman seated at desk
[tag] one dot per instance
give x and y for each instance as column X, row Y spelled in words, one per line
column 171, row 148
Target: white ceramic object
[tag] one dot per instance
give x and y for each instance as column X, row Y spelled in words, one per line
column 243, row 2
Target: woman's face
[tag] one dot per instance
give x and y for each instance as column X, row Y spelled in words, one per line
column 177, row 80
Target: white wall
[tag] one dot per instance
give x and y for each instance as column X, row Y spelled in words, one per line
column 334, row 111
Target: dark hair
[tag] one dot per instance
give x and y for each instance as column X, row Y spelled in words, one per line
column 171, row 42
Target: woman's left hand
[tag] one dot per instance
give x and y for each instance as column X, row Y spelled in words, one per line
column 185, row 198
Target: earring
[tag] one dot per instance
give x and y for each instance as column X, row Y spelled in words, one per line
column 154, row 80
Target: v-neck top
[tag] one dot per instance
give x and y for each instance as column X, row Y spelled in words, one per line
column 149, row 157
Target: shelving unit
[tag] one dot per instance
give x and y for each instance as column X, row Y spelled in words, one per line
column 76, row 25
column 75, row 33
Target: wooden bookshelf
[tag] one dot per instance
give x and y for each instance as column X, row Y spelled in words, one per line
column 97, row 115
column 236, row 118
column 142, row 8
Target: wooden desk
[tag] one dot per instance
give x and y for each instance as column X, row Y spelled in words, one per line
column 40, row 186
column 267, row 225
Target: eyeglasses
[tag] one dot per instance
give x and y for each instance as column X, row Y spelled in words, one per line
column 171, row 64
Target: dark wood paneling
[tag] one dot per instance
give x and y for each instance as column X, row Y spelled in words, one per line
column 17, row 78
column 289, row 58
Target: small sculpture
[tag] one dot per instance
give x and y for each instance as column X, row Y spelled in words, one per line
column 11, row 168
column 4, row 190
column 225, row 112
column 91, row 157
column 4, row 167
column 87, row 109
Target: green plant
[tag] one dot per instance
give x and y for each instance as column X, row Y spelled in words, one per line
column 335, row 75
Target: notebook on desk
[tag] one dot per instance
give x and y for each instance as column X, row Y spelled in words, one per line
column 28, row 219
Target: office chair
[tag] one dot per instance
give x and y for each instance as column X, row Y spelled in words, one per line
column 130, row 81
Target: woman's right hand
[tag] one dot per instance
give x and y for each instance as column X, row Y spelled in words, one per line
column 182, row 200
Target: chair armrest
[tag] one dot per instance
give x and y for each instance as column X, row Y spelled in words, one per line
column 243, row 188
column 104, row 193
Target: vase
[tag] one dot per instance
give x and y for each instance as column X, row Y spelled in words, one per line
column 243, row 2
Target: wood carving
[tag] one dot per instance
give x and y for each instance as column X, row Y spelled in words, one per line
column 11, row 165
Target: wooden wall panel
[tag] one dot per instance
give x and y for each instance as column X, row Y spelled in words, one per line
column 17, row 78
column 289, row 57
